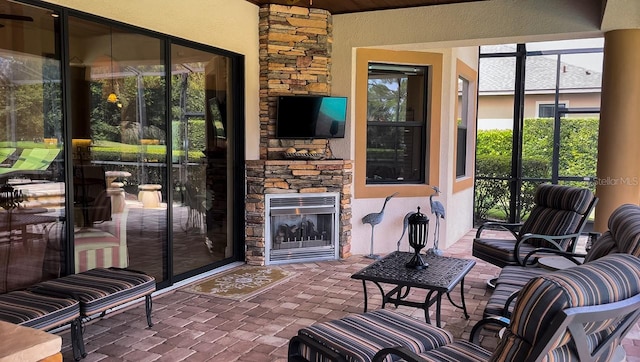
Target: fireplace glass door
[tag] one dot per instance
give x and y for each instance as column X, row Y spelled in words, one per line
column 302, row 227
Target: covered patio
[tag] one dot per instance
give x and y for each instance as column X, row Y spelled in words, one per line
column 194, row 327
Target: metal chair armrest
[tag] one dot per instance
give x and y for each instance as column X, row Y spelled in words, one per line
column 542, row 252
column 316, row 350
column 495, row 320
column 495, row 225
column 551, row 239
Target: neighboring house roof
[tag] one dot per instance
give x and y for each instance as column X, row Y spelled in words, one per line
column 497, row 76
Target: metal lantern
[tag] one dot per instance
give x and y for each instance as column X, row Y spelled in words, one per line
column 418, row 233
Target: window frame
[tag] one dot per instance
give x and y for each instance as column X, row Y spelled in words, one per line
column 434, row 62
column 561, row 105
column 420, row 125
column 469, row 74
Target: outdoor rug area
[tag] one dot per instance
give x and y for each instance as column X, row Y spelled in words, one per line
column 241, row 283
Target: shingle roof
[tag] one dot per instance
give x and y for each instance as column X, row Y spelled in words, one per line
column 496, row 75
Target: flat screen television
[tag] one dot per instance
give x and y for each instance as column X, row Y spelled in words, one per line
column 306, row 117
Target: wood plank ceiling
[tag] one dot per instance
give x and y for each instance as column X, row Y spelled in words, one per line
column 354, row 6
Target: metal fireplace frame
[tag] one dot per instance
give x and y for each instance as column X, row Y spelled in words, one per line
column 300, row 204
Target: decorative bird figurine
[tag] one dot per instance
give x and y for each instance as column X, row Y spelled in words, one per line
column 374, row 219
column 438, row 209
column 405, row 224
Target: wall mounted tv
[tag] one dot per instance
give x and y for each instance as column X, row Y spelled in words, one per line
column 305, row 117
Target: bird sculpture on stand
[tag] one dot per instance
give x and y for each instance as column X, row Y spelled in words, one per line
column 438, row 210
column 374, row 219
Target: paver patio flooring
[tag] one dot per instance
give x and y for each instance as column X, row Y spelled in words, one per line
column 196, row 327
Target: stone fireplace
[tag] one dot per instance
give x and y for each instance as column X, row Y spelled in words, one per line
column 295, row 59
column 301, row 227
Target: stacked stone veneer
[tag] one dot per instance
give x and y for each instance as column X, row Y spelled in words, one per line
column 282, row 176
column 295, row 59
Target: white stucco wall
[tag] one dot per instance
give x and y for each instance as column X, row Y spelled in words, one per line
column 230, row 25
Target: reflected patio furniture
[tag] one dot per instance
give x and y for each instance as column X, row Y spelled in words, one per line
column 102, row 244
column 91, row 199
column 197, row 209
column 22, row 248
column 115, row 189
column 150, row 195
column 5, row 153
column 33, row 160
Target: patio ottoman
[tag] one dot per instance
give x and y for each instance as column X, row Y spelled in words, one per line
column 358, row 337
column 101, row 289
column 43, row 312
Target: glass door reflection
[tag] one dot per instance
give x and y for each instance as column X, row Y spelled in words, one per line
column 200, row 107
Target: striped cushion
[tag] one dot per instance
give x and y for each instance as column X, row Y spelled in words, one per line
column 624, row 222
column 459, row 351
column 99, row 289
column 96, row 248
column 497, row 300
column 558, row 211
column 358, row 337
column 612, row 278
column 623, row 235
column 518, row 276
column 502, row 250
column 37, row 311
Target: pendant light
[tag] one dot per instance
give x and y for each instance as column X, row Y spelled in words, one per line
column 112, row 97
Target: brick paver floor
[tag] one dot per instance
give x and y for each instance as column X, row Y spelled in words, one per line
column 195, row 327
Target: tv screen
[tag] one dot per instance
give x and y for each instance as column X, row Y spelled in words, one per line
column 311, row 117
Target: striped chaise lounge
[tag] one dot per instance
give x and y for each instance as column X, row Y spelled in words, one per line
column 556, row 221
column 576, row 314
column 43, row 312
column 623, row 236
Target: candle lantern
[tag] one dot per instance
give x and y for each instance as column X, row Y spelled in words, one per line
column 418, row 231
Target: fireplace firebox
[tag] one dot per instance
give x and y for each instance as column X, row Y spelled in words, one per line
column 301, row 227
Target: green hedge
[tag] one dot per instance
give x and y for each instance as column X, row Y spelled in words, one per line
column 493, row 194
column 577, row 157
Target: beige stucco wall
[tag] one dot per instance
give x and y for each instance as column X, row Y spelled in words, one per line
column 442, row 29
column 232, row 25
column 492, row 108
column 226, row 24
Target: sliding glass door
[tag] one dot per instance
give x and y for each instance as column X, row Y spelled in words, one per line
column 116, row 149
column 119, row 135
column 200, row 122
column 32, row 183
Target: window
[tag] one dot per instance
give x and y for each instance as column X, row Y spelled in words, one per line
column 397, row 136
column 549, row 110
column 396, row 122
column 462, row 121
column 464, row 126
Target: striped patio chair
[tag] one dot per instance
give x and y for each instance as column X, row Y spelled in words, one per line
column 623, row 236
column 576, row 314
column 556, row 221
